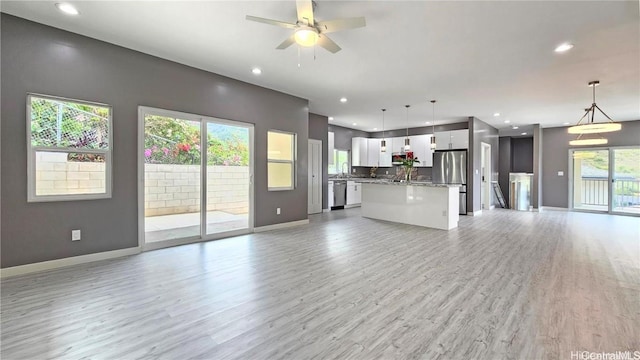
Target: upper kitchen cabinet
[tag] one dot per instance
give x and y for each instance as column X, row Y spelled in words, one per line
column 373, row 152
column 359, row 154
column 421, row 147
column 330, row 145
column 396, row 143
column 452, row 140
column 384, row 158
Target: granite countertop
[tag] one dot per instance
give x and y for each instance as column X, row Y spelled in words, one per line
column 412, row 183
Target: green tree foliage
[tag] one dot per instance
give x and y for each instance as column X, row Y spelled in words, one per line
column 175, row 141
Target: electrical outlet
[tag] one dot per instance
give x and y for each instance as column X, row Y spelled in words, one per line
column 386, row 172
column 353, row 170
column 277, row 211
column 444, row 213
column 75, row 235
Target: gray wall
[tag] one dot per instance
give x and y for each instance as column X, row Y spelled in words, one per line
column 555, row 156
column 40, row 59
column 319, row 130
column 342, row 136
column 479, row 132
column 504, row 165
column 420, row 130
column 522, row 154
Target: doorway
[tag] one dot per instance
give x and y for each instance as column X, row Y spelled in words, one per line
column 195, row 178
column 314, row 201
column 485, row 188
column 605, row 180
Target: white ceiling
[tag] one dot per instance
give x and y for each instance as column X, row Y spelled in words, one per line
column 475, row 58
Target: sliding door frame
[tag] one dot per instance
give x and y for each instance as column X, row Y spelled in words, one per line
column 610, row 178
column 203, row 121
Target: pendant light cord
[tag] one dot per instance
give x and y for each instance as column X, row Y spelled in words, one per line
column 383, row 111
column 433, row 118
column 407, row 106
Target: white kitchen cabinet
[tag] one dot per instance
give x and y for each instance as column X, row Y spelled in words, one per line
column 421, row 146
column 460, row 139
column 330, row 143
column 455, row 139
column 397, row 144
column 373, row 152
column 359, row 146
column 384, row 158
column 354, row 193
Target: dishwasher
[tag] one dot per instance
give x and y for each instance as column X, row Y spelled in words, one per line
column 339, row 194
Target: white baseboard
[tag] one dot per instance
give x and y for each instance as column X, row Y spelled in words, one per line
column 475, row 213
column 352, row 206
column 552, row 208
column 59, row 263
column 492, row 207
column 326, row 210
column 281, row 225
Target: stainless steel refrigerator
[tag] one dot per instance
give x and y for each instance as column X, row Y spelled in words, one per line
column 450, row 167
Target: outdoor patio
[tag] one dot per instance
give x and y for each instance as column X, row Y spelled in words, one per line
column 166, row 227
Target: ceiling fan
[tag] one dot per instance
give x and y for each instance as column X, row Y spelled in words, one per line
column 307, row 31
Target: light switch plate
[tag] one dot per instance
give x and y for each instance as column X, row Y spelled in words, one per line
column 75, row 235
column 560, row 173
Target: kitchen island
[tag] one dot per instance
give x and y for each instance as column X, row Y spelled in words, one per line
column 416, row 203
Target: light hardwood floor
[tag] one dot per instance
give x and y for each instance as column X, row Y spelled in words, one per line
column 504, row 285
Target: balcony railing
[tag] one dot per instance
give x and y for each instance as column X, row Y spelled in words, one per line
column 595, row 191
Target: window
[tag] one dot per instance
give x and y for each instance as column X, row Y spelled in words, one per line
column 340, row 162
column 281, row 154
column 69, row 145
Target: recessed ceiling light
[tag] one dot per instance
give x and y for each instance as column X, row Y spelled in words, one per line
column 523, row 133
column 354, row 124
column 330, row 118
column 507, row 121
column 563, row 47
column 515, row 128
column 67, row 8
column 566, row 123
column 343, row 100
column 375, row 128
column 428, row 122
column 256, row 71
column 496, row 114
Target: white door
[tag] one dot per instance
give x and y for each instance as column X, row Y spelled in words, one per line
column 314, row 202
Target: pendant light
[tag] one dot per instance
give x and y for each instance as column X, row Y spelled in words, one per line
column 591, row 127
column 433, row 122
column 407, row 142
column 383, row 143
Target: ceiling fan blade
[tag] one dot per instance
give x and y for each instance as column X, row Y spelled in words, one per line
column 271, row 22
column 328, row 44
column 288, row 42
column 340, row 24
column 305, row 11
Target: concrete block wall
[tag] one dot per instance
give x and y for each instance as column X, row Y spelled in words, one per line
column 175, row 189
column 55, row 175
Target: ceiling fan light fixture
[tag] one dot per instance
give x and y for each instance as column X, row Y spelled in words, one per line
column 306, row 36
column 433, row 144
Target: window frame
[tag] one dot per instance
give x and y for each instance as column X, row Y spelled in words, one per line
column 293, row 161
column 32, row 150
column 338, row 167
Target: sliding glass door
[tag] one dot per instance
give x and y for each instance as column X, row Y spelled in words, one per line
column 606, row 180
column 195, row 178
column 625, row 192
